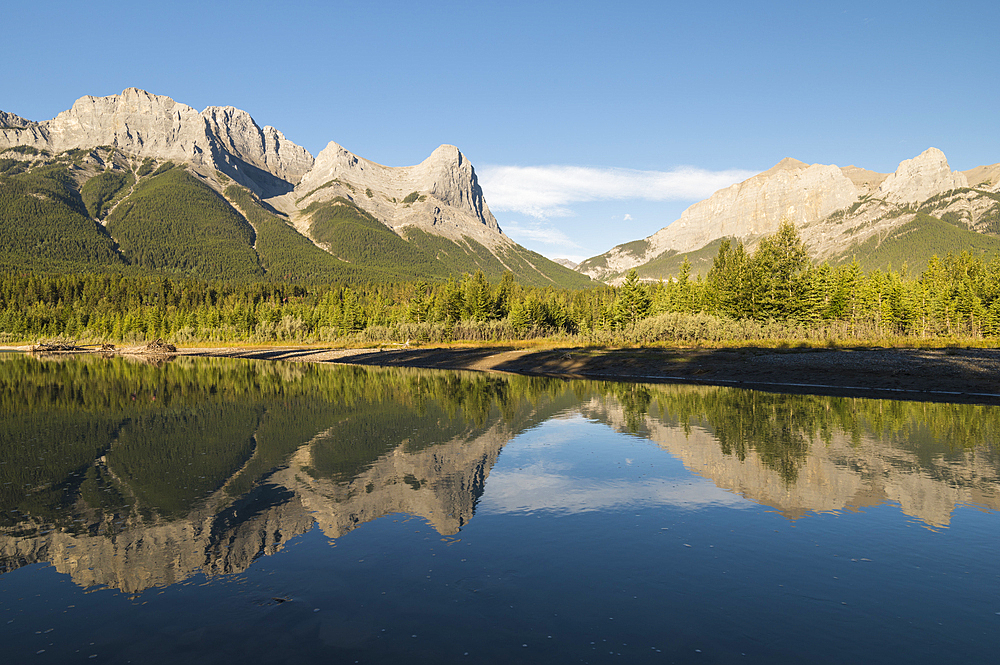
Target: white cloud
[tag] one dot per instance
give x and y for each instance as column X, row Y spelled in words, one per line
column 539, row 475
column 547, row 191
column 535, row 489
column 538, row 232
column 627, row 218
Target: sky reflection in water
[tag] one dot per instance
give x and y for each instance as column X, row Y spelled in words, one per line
column 550, row 472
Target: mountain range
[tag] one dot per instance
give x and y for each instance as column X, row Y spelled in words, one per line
column 882, row 220
column 139, row 181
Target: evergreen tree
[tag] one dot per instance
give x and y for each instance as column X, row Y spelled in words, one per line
column 452, row 301
column 479, row 297
column 633, row 302
column 727, row 284
column 504, row 294
column 420, row 306
column 685, row 293
column 776, row 264
column 351, row 319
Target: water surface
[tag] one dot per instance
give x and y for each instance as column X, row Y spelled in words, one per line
column 206, row 510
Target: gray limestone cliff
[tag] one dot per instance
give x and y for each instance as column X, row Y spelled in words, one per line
column 147, row 125
column 920, row 178
column 266, row 149
column 445, row 198
column 11, row 121
column 440, row 195
column 831, row 207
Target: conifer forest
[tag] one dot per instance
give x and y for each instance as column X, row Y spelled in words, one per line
column 771, row 294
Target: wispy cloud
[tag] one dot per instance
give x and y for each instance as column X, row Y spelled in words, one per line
column 538, row 232
column 533, row 489
column 547, row 191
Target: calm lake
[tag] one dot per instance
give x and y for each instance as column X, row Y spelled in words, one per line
column 210, row 510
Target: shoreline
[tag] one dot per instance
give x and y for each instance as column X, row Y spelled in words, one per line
column 938, row 375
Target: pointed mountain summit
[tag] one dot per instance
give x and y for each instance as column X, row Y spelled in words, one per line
column 920, row 178
column 787, row 164
column 440, row 195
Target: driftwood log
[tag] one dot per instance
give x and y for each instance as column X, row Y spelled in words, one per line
column 159, row 346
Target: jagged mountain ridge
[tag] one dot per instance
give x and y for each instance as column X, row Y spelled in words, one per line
column 146, row 125
column 836, row 210
column 440, row 196
column 448, row 202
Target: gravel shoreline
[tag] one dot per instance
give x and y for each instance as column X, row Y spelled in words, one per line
column 939, row 375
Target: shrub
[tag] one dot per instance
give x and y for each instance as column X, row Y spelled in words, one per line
column 100, row 192
column 147, row 167
column 25, row 150
column 164, row 167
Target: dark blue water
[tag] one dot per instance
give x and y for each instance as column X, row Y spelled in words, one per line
column 431, row 517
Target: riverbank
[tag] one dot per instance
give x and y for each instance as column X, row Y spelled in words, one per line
column 939, row 375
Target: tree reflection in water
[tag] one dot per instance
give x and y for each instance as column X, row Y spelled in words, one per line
column 134, row 475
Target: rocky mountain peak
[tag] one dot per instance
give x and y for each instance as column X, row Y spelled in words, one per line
column 786, row 164
column 9, row 120
column 134, row 120
column 451, row 178
column 266, row 149
column 833, row 208
column 332, row 162
column 446, row 154
column 791, row 190
column 148, row 125
column 449, row 201
column 136, row 131
column 920, row 178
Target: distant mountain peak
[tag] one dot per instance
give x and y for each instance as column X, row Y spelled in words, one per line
column 787, row 164
column 220, row 138
column 834, row 208
column 447, row 198
column 920, row 178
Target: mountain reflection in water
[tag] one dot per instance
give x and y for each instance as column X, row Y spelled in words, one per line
column 134, row 476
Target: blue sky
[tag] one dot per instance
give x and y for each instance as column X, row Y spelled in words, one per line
column 591, row 123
